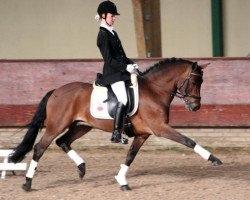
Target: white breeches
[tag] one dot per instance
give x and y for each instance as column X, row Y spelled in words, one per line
column 120, row 91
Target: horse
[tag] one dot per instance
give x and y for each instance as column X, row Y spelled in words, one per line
column 61, row 110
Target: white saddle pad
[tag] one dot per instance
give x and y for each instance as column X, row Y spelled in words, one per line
column 98, row 106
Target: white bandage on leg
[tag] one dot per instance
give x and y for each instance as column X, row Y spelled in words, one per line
column 121, row 176
column 75, row 157
column 32, row 169
column 203, row 152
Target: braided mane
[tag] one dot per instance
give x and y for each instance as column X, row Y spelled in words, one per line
column 161, row 63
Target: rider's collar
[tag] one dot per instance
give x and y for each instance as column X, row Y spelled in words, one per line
column 109, row 28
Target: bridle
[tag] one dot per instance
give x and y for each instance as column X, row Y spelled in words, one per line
column 185, row 83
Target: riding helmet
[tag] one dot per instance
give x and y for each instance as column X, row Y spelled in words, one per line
column 107, row 7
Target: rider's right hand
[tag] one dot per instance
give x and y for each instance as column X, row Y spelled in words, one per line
column 130, row 68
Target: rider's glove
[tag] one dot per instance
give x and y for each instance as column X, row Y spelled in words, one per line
column 130, row 68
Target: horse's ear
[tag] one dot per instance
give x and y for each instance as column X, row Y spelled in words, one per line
column 203, row 66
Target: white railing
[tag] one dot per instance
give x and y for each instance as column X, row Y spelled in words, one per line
column 5, row 166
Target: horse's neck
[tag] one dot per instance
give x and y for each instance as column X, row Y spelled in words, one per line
column 168, row 76
column 165, row 80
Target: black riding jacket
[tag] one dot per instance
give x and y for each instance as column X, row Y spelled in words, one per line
column 115, row 59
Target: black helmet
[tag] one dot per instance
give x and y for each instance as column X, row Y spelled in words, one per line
column 107, row 7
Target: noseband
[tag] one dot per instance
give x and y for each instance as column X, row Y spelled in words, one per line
column 185, row 85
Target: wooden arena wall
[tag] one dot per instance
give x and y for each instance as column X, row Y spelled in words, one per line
column 225, row 90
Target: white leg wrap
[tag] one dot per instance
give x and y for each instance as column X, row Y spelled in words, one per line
column 121, row 176
column 203, row 152
column 32, row 169
column 75, row 157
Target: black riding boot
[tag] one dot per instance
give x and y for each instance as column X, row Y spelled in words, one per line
column 118, row 125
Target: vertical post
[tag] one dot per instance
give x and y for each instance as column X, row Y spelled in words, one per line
column 5, row 161
column 217, row 28
column 152, row 27
column 148, row 27
column 139, row 28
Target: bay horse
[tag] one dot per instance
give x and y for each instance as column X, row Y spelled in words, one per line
column 60, row 109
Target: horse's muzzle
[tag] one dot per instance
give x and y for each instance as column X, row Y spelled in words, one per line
column 192, row 106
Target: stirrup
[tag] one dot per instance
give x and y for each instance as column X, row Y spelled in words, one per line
column 121, row 140
column 124, row 140
column 117, row 138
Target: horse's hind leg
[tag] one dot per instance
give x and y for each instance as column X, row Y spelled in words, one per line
column 134, row 148
column 39, row 149
column 177, row 137
column 75, row 131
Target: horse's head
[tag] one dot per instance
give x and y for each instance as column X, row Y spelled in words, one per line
column 185, row 81
column 189, row 86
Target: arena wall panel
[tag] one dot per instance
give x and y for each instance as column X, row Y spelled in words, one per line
column 225, row 90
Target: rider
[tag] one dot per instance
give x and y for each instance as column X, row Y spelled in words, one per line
column 117, row 67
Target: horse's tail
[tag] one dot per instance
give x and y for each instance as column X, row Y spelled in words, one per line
column 36, row 124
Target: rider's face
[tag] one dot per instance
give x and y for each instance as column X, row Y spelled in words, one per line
column 110, row 19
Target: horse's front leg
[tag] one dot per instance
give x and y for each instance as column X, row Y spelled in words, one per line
column 170, row 133
column 134, row 148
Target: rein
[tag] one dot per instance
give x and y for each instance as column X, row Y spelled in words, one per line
column 139, row 74
column 176, row 93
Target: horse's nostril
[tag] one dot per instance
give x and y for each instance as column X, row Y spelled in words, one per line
column 196, row 108
column 192, row 106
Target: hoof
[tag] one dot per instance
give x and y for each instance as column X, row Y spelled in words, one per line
column 125, row 188
column 27, row 186
column 81, row 170
column 217, row 162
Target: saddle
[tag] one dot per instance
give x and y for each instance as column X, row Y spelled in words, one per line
column 103, row 101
